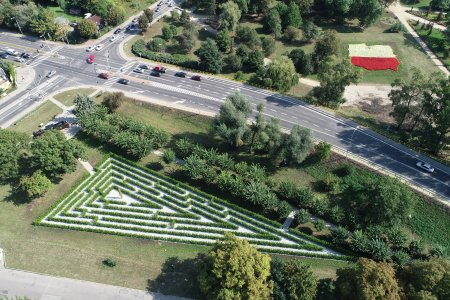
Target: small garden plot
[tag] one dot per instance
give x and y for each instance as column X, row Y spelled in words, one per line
column 377, row 57
column 125, row 199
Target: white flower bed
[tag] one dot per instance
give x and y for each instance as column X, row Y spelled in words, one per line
column 362, row 50
column 123, row 199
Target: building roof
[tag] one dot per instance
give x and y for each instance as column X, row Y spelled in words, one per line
column 96, row 19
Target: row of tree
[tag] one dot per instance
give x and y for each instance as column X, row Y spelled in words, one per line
column 31, row 166
column 233, row 269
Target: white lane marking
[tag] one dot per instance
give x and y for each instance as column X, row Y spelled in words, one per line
column 180, row 102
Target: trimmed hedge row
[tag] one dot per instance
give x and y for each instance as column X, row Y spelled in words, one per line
column 134, row 222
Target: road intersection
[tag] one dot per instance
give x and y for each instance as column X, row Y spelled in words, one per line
column 72, row 69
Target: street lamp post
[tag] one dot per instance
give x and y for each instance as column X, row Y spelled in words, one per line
column 351, row 141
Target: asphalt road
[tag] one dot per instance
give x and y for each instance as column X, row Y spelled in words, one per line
column 72, row 69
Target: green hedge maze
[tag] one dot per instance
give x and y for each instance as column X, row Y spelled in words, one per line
column 123, row 198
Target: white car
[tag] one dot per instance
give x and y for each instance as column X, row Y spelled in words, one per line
column 11, row 51
column 170, row 4
column 157, row 9
column 160, row 3
column 19, row 59
column 99, row 47
column 425, row 166
column 138, row 70
column 90, row 48
column 51, row 73
column 113, row 38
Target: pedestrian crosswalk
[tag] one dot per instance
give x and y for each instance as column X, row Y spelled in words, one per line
column 111, row 81
column 46, row 55
column 129, row 65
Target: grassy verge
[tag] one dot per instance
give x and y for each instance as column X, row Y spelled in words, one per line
column 68, row 97
column 43, row 114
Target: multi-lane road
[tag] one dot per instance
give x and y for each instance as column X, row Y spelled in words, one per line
column 72, row 69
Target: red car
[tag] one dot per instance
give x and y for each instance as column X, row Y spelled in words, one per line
column 103, row 75
column 196, row 78
column 90, row 59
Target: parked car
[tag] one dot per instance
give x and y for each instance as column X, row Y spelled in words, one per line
column 155, row 73
column 90, row 48
column 425, row 166
column 134, row 21
column 74, row 24
column 113, row 38
column 51, row 73
column 123, row 81
column 25, row 55
column 157, row 9
column 117, row 31
column 90, row 59
column 138, row 70
column 58, row 125
column 143, row 66
column 160, row 69
column 38, row 133
column 12, row 52
column 99, row 47
column 181, row 74
column 196, row 78
column 103, row 75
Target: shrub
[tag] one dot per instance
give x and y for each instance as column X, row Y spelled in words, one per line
column 305, row 197
column 302, row 216
column 168, row 156
column 322, row 151
column 287, row 190
column 397, row 27
column 331, row 182
column 319, row 224
column 109, row 262
column 284, row 209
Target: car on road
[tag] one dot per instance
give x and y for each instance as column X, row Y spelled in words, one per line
column 11, row 51
column 160, row 3
column 134, row 21
column 425, row 166
column 157, row 9
column 123, row 81
column 113, row 38
column 155, row 73
column 117, row 31
column 143, row 66
column 51, row 73
column 25, row 55
column 196, row 78
column 90, row 59
column 4, row 55
column 170, row 4
column 103, row 75
column 19, row 59
column 90, row 48
column 181, row 74
column 138, row 70
column 160, row 69
column 99, row 47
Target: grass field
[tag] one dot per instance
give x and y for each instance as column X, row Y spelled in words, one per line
column 43, row 114
column 68, row 97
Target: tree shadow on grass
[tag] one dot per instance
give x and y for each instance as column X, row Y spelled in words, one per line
column 178, row 277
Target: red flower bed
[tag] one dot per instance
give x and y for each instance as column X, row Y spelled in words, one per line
column 375, row 63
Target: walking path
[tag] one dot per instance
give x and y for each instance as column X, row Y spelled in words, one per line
column 406, row 10
column 400, row 12
column 14, row 283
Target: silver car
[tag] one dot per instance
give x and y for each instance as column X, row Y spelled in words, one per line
column 51, row 73
column 425, row 166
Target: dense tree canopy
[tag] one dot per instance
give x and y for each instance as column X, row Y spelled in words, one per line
column 210, row 58
column 280, row 74
column 35, row 185
column 13, row 146
column 230, row 16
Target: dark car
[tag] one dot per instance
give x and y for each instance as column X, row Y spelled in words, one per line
column 38, row 133
column 4, row 55
column 103, row 75
column 180, row 74
column 196, row 78
column 143, row 66
column 25, row 55
column 155, row 73
column 117, row 31
column 123, row 81
column 61, row 125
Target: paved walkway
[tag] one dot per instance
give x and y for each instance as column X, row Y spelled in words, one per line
column 400, row 9
column 15, row 283
column 400, row 12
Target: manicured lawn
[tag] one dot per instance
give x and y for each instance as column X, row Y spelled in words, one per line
column 436, row 41
column 59, row 12
column 43, row 114
column 68, row 97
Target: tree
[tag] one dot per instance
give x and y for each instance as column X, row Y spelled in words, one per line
column 257, row 127
column 323, row 151
column 243, row 5
column 272, row 23
column 43, row 23
column 254, row 61
column 293, row 280
column 333, row 80
column 115, row 15
column 284, row 209
column 168, row 32
column 261, row 6
column 224, row 40
column 305, row 5
column 292, row 34
column 210, row 58
column 367, row 12
column 248, row 36
column 268, row 45
column 339, row 9
column 187, row 38
column 230, row 16
column 436, row 119
column 231, row 122
column 149, row 14
column 35, row 185
column 280, row 74
column 326, row 46
column 10, row 70
column 54, row 155
column 87, row 28
column 168, row 156
column 387, row 3
column 233, row 62
column 293, row 17
column 302, row 216
column 113, row 100
column 156, row 44
column 143, row 22
column 296, row 146
column 235, row 270
column 13, row 146
column 367, row 280
column 84, row 105
column 184, row 17
column 311, row 31
column 174, row 15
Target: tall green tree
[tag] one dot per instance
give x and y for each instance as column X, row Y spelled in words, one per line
column 272, row 23
column 230, row 16
column 224, row 40
column 149, row 14
column 257, row 127
column 115, row 15
column 35, row 185
column 339, row 9
column 243, row 5
column 367, row 280
column 280, row 74
column 235, row 270
column 210, row 58
column 367, row 12
column 231, row 122
column 87, row 28
column 293, row 17
column 310, row 31
column 302, row 61
column 143, row 22
column 326, row 46
column 297, row 145
column 113, row 100
column 54, row 155
column 268, row 45
column 43, row 23
column 84, row 105
column 13, row 148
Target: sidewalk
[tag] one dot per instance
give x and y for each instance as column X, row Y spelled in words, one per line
column 24, row 79
column 397, row 8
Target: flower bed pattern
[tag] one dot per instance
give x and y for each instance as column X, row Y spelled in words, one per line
column 377, row 57
column 125, row 199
